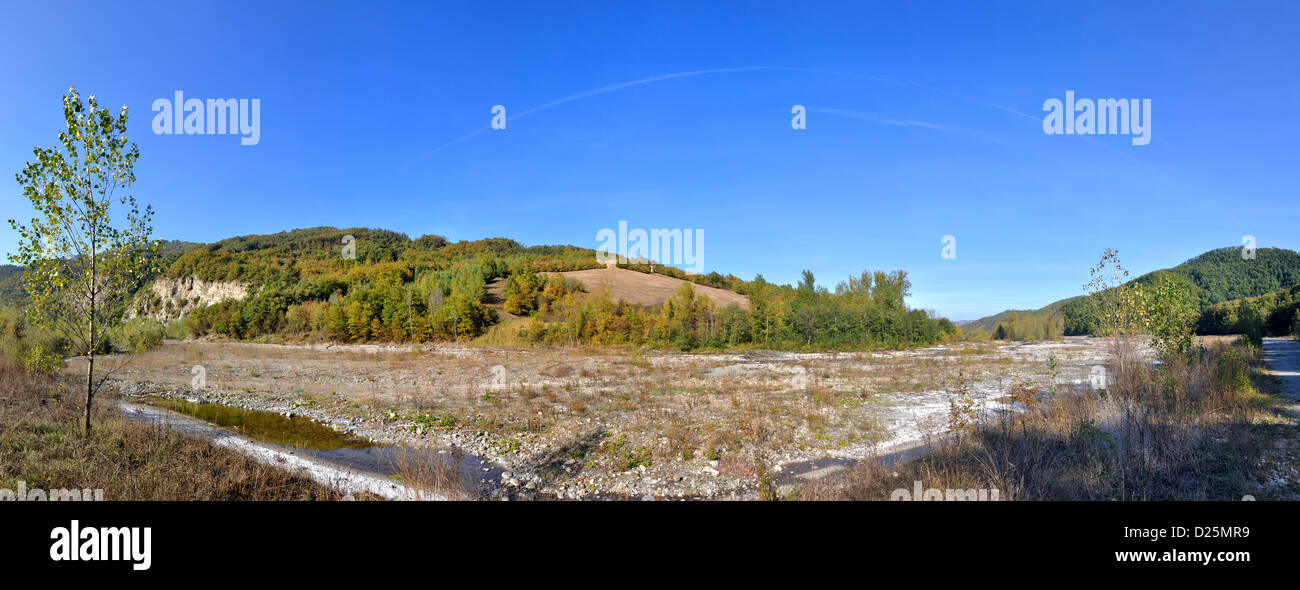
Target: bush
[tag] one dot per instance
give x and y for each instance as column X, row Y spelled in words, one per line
column 1232, row 370
column 39, row 358
column 137, row 334
column 37, row 350
column 13, row 326
column 176, row 330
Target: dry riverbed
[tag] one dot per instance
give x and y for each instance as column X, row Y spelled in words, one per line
column 605, row 423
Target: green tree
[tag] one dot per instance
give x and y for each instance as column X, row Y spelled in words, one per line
column 1250, row 323
column 80, row 266
column 891, row 289
column 807, row 285
column 1170, row 316
column 521, row 291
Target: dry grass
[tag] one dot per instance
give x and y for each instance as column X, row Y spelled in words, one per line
column 430, row 473
column 677, row 411
column 42, row 444
column 1190, row 431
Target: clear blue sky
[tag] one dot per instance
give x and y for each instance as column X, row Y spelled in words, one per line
column 925, row 120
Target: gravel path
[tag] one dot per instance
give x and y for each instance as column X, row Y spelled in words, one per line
column 1283, row 358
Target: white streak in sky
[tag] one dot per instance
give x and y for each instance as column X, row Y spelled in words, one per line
column 621, row 85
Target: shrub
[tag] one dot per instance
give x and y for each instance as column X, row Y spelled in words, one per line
column 138, row 334
column 1232, row 371
column 40, row 358
column 176, row 330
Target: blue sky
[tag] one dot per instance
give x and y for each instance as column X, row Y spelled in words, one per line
column 924, row 120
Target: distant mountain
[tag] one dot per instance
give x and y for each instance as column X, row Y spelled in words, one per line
column 1214, row 277
column 990, row 323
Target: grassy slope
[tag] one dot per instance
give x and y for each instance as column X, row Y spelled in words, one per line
column 647, row 289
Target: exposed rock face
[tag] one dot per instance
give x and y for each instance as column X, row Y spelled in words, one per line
column 170, row 299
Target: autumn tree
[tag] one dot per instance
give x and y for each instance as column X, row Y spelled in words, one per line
column 79, row 264
column 1117, row 307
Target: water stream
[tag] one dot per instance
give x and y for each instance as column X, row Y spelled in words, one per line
column 332, row 457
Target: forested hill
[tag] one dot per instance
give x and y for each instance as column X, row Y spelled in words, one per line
column 11, row 285
column 1221, row 275
column 1271, row 314
column 286, row 258
column 363, row 284
column 990, row 323
column 1213, row 277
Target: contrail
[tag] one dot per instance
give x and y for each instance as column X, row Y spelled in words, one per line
column 662, row 77
column 888, row 120
column 585, row 94
column 976, row 100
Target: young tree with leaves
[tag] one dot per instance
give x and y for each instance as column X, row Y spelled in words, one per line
column 1117, row 306
column 1171, row 317
column 80, row 265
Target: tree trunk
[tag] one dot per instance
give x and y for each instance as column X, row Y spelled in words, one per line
column 90, row 387
column 90, row 354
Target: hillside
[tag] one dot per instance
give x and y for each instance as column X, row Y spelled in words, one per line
column 647, row 289
column 11, row 286
column 990, row 323
column 1272, row 314
column 375, row 285
column 1214, row 277
column 1222, row 274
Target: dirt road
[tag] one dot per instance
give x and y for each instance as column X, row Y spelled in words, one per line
column 1283, row 459
column 1283, row 358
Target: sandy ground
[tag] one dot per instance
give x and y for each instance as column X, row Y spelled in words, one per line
column 580, row 423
